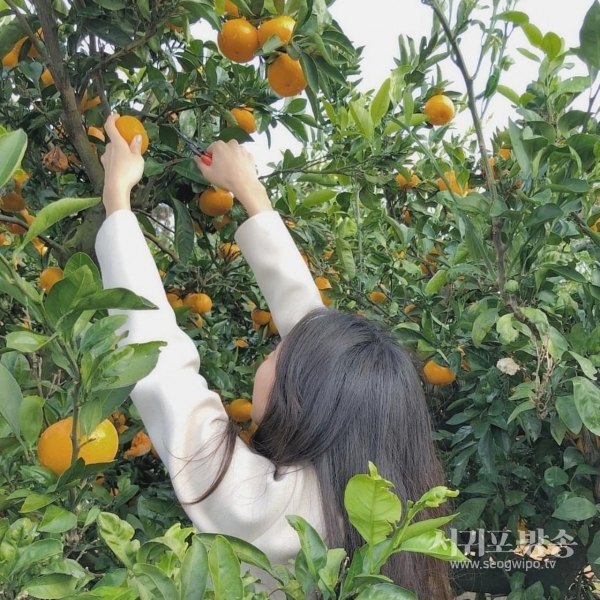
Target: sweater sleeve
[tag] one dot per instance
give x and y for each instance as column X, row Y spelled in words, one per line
column 183, row 417
column 281, row 274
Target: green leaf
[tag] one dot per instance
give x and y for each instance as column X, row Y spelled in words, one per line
column 586, row 365
column 587, row 402
column 318, row 197
column 155, row 582
column 552, row 45
column 567, row 411
column 26, row 341
column 433, row 543
column 56, row 211
column 506, row 332
column 57, row 520
column 469, row 513
column 362, row 118
column 11, row 400
column 514, row 16
column 194, row 572
column 66, row 293
column 483, row 324
column 80, row 259
column 589, row 37
column 554, row 476
column 138, row 360
column 36, row 552
column 57, row 585
column 381, row 102
column 343, row 250
column 510, row 94
column 313, row 547
column 112, row 298
column 437, row 282
column 575, row 509
column 420, row 527
column 245, row 551
column 31, row 418
column 184, row 231
column 385, row 591
column 521, row 408
column 12, row 149
column 371, row 506
column 557, row 344
column 118, row 536
column 311, row 73
column 544, row 213
column 224, row 568
column 35, row 501
column 533, row 34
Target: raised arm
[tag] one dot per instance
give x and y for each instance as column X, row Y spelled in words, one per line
column 280, row 271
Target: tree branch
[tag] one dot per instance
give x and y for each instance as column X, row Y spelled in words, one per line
column 30, row 33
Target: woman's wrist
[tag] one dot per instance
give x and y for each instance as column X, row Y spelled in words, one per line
column 254, row 198
column 115, row 199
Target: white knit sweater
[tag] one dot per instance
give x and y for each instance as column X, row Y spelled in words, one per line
column 182, row 415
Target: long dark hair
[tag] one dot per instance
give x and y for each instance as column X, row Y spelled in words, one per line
column 345, row 393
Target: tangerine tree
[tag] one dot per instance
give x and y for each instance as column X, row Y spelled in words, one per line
column 478, row 249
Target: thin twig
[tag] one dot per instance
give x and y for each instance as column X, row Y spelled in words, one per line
column 166, row 250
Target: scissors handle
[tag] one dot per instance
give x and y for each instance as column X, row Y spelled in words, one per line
column 206, row 159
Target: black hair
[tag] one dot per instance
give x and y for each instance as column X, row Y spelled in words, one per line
column 346, row 393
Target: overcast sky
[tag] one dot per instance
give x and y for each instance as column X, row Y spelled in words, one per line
column 378, row 27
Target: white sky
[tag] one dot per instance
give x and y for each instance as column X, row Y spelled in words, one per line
column 378, row 27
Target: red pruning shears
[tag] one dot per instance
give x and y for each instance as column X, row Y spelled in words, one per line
column 197, row 149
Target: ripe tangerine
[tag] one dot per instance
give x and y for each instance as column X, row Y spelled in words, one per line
column 244, row 119
column 439, row 109
column 55, row 448
column 215, row 203
column 49, row 277
column 238, row 40
column 129, row 127
column 437, row 375
column 285, row 76
column 282, row 27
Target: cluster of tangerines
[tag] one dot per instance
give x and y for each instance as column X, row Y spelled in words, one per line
column 11, row 59
column 239, row 40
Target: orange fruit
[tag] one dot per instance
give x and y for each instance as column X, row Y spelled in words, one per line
column 240, row 410
column 39, row 246
column 12, row 202
column 437, row 375
column 409, row 308
column 322, row 283
column 20, row 179
column 220, row 223
column 55, row 448
column 240, row 343
column 46, row 78
column 86, row 104
column 282, row 27
column 174, row 300
column 215, row 203
column 454, row 185
column 238, row 40
column 244, row 119
column 377, row 296
column 228, row 251
column 11, row 60
column 199, row 303
column 129, row 127
column 231, row 9
column 406, row 184
column 49, row 277
column 96, row 132
column 504, row 153
column 260, row 317
column 285, row 76
column 272, row 328
column 439, row 109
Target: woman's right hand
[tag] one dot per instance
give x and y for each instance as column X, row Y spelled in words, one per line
column 233, row 169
